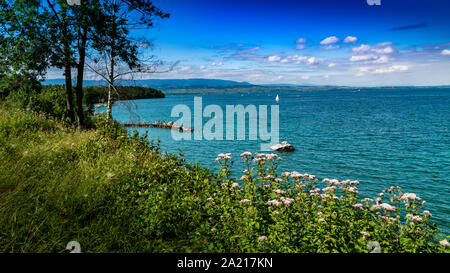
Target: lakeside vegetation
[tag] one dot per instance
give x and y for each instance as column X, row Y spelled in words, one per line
column 114, row 191
column 67, row 174
column 99, row 94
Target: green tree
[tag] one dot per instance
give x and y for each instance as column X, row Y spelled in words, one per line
column 24, row 44
column 119, row 53
column 37, row 35
column 63, row 36
column 88, row 18
column 74, row 27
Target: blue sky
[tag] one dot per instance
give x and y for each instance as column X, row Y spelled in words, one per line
column 340, row 42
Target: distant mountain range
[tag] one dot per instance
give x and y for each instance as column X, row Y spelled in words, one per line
column 208, row 86
column 164, row 84
column 193, row 82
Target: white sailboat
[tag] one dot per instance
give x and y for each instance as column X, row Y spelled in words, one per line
column 277, row 98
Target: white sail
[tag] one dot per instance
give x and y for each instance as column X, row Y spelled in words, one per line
column 277, row 98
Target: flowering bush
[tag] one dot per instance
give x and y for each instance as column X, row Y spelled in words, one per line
column 296, row 212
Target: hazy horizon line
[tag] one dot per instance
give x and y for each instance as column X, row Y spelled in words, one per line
column 277, row 84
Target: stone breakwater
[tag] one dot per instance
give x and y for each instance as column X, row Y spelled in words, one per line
column 160, row 124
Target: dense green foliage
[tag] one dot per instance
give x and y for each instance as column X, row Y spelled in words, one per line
column 24, row 38
column 116, row 192
column 99, row 94
column 20, row 83
column 51, row 101
column 37, row 34
column 48, row 100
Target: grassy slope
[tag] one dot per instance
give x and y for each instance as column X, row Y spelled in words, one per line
column 59, row 185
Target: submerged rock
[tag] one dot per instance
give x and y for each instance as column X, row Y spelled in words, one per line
column 283, row 147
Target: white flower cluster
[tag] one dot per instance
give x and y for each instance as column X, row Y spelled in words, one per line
column 410, row 196
column 384, row 206
column 414, row 218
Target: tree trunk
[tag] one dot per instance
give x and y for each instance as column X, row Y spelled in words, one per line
column 112, row 64
column 80, row 75
column 67, row 70
column 69, row 94
column 109, row 108
column 110, row 86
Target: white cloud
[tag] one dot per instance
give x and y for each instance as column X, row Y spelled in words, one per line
column 445, row 52
column 217, row 63
column 382, row 59
column 332, row 65
column 295, row 59
column 364, row 69
column 184, row 68
column 358, row 58
column 329, row 40
column 370, row 58
column 273, row 58
column 312, row 60
column 386, row 50
column 255, row 48
column 298, row 59
column 394, row 68
column 361, row 48
column 384, row 44
column 300, row 47
column 381, row 48
column 372, row 54
column 383, row 70
column 329, row 47
column 350, row 39
column 301, row 40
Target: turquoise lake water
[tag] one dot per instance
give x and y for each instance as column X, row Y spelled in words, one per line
column 379, row 137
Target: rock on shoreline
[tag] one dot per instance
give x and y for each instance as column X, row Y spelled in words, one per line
column 283, row 147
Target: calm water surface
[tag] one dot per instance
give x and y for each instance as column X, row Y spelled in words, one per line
column 379, row 137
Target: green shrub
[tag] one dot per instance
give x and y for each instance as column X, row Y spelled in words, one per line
column 51, row 101
column 48, row 100
column 20, row 83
